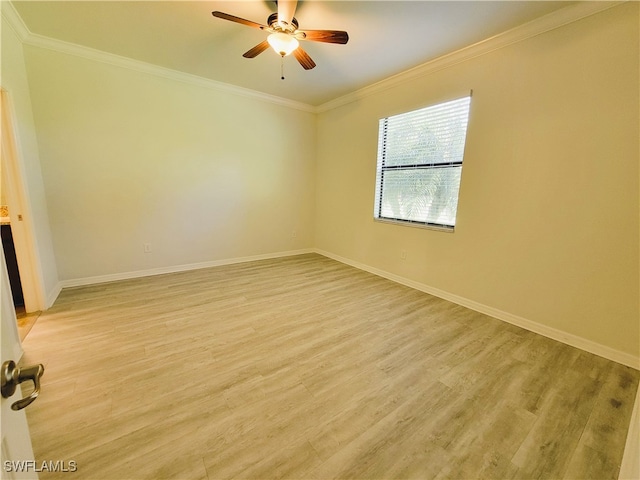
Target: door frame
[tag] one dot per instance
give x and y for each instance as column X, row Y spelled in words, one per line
column 19, row 209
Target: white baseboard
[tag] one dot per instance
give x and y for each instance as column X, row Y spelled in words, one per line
column 630, row 467
column 550, row 332
column 545, row 330
column 77, row 282
column 53, row 295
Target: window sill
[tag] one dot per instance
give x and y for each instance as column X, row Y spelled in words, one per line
column 408, row 223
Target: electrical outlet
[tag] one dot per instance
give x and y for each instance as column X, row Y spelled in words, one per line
column 403, row 254
column 147, row 248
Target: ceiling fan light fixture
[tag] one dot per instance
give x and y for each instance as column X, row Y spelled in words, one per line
column 282, row 43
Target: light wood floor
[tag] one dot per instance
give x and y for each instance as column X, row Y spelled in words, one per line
column 306, row 368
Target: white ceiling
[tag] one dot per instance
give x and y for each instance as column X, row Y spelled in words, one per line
column 386, row 37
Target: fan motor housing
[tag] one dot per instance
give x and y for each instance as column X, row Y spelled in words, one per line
column 272, row 21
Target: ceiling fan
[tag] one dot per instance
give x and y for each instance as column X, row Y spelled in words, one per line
column 284, row 34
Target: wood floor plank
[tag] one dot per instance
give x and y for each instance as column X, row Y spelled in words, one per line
column 302, row 367
column 560, row 425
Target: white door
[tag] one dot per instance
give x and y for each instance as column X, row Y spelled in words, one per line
column 17, row 453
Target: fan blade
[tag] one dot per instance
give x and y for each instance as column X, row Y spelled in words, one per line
column 326, row 36
column 257, row 50
column 233, row 18
column 286, row 10
column 304, row 58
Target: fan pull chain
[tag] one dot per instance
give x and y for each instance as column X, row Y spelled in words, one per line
column 282, row 67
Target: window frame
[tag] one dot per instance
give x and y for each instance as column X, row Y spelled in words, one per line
column 381, row 168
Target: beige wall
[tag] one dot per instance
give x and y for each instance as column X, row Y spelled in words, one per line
column 548, row 217
column 14, row 81
column 201, row 175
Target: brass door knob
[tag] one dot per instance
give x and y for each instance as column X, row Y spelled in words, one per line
column 12, row 376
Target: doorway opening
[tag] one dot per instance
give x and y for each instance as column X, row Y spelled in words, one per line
column 25, row 320
column 16, row 236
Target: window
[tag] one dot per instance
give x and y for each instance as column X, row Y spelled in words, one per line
column 420, row 163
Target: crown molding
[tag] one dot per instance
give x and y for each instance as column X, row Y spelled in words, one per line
column 60, row 46
column 14, row 20
column 551, row 21
column 40, row 41
column 557, row 19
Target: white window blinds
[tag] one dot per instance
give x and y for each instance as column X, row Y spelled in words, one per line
column 420, row 157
